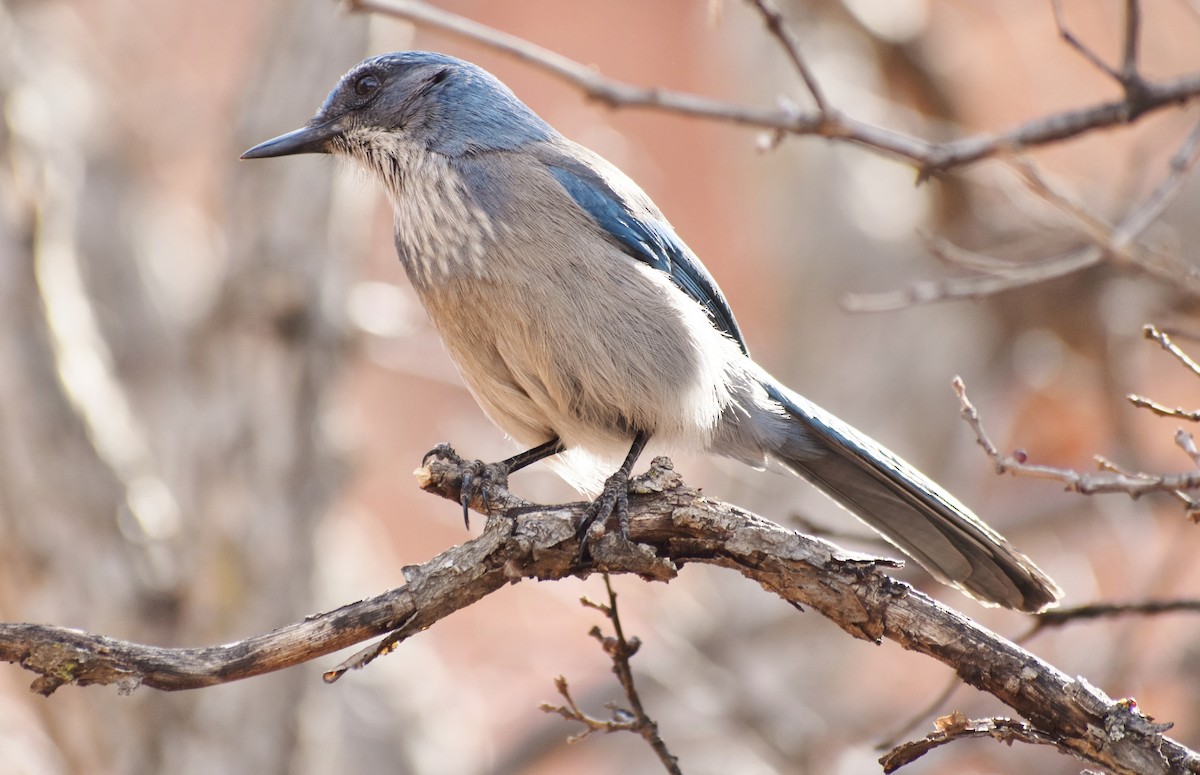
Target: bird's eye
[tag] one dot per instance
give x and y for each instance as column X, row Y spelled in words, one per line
column 366, row 86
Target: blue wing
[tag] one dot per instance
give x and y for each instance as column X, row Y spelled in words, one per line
column 648, row 239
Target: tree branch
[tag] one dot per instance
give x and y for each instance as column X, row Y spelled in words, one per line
column 1062, row 616
column 778, row 28
column 1108, row 242
column 955, row 726
column 928, row 157
column 632, row 719
column 1110, row 478
column 671, row 525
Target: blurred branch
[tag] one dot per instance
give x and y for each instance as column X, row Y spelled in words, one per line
column 670, row 525
column 632, row 719
column 914, row 720
column 928, row 157
column 1002, row 276
column 1127, row 76
column 1062, row 616
column 1069, row 38
column 1107, row 242
column 791, row 47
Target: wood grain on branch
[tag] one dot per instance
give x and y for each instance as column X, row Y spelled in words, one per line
column 671, row 525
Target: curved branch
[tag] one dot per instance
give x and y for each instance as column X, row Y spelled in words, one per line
column 954, row 727
column 671, row 525
column 928, row 157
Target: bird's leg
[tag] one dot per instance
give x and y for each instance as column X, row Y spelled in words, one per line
column 614, row 498
column 478, row 475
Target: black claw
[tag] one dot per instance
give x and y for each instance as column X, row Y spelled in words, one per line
column 464, row 494
column 613, row 499
column 476, row 480
column 442, row 450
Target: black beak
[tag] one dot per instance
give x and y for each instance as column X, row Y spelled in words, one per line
column 308, row 139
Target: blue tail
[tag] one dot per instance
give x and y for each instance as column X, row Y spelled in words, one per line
column 905, row 507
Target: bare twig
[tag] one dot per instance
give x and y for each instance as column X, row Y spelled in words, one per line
column 633, row 719
column 1064, row 616
column 1180, row 413
column 1127, row 76
column 1187, row 443
column 621, row 720
column 1108, row 242
column 1004, row 276
column 787, row 41
column 1113, row 481
column 1129, row 47
column 1079, row 46
column 368, row 655
column 893, row 739
column 1095, row 228
column 1156, row 334
column 1119, row 242
column 1152, row 207
column 956, row 726
column 928, row 157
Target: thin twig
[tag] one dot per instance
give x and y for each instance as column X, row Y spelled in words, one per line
column 634, row 719
column 1153, row 206
column 1104, row 464
column 1079, row 46
column 1000, row 275
column 368, row 655
column 1110, row 481
column 621, row 721
column 791, row 46
column 1127, row 76
column 893, row 739
column 959, row 257
column 1097, row 230
column 1063, row 616
column 1164, row 340
column 1187, row 443
column 956, row 726
column 621, row 651
column 1129, row 49
column 1180, row 413
column 976, row 286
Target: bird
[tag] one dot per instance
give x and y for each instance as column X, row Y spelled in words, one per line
column 585, row 328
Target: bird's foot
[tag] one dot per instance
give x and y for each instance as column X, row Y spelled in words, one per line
column 612, row 500
column 478, row 478
column 477, row 482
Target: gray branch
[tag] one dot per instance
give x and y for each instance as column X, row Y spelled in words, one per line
column 929, row 157
column 671, row 525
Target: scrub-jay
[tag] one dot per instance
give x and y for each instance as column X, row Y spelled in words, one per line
column 584, row 326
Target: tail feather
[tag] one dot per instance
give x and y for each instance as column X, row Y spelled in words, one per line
column 909, row 510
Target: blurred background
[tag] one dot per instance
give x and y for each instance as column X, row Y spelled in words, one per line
column 215, row 381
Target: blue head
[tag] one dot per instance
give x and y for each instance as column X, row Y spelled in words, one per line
column 434, row 101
